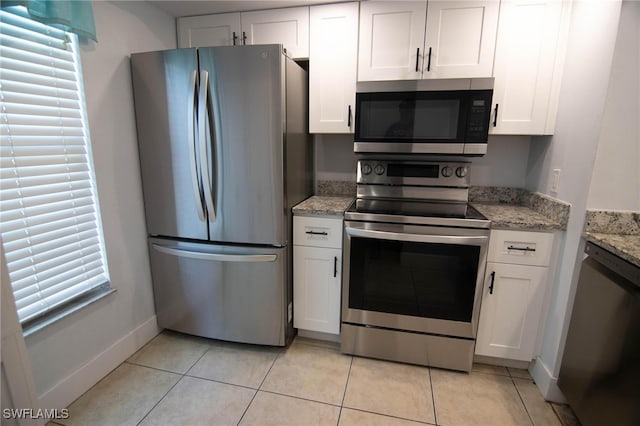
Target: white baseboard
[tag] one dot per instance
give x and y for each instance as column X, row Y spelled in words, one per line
column 546, row 382
column 73, row 386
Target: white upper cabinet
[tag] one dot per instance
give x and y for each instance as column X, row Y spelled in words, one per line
column 528, row 66
column 459, row 39
column 391, row 40
column 333, row 50
column 289, row 27
column 209, row 30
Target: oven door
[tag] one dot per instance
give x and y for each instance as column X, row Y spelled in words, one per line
column 417, row 278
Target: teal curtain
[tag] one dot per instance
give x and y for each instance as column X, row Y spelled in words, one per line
column 75, row 16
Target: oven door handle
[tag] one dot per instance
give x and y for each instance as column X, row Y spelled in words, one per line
column 419, row 238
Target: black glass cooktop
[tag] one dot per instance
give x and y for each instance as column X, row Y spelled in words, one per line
column 416, row 208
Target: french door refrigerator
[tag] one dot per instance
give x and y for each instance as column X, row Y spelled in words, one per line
column 224, row 154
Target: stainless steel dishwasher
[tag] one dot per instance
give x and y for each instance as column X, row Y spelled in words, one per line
column 600, row 371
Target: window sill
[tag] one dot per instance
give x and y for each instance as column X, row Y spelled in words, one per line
column 66, row 310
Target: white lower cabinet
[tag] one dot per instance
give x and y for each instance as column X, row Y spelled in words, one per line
column 514, row 294
column 511, row 309
column 317, row 271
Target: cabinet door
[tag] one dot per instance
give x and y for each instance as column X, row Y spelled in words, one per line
column 510, row 312
column 316, row 288
column 528, row 66
column 460, row 39
column 333, row 51
column 391, row 42
column 209, row 30
column 289, row 27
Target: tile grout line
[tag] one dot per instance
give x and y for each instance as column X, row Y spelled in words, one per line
column 433, row 398
column 521, row 399
column 182, row 376
column 344, row 394
column 281, row 351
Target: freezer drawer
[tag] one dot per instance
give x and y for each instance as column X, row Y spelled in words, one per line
column 220, row 292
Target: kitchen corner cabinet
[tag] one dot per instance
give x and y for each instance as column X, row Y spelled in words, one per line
column 515, row 285
column 528, row 66
column 288, row 26
column 317, row 270
column 333, row 49
column 434, row 39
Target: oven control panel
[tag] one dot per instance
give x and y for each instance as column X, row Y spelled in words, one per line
column 388, row 172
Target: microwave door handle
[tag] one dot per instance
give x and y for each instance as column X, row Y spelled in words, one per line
column 418, row 238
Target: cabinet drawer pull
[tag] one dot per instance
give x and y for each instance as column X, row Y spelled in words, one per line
column 429, row 61
column 493, row 280
column 521, row 248
column 335, row 266
column 495, row 116
column 316, row 233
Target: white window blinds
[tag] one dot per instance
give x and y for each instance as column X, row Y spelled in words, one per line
column 49, row 219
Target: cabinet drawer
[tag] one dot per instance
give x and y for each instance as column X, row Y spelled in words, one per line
column 317, row 231
column 520, row 247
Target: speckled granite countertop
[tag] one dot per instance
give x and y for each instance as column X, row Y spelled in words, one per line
column 614, row 231
column 517, row 208
column 510, row 216
column 624, row 246
column 322, row 205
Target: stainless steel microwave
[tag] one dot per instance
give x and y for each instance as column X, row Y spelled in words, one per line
column 423, row 116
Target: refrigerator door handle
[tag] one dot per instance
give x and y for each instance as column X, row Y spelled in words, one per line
column 192, row 145
column 219, row 257
column 202, row 139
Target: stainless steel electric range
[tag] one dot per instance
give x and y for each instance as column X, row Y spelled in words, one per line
column 414, row 258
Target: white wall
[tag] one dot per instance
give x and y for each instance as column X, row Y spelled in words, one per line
column 77, row 342
column 572, row 149
column 505, row 163
column 616, row 175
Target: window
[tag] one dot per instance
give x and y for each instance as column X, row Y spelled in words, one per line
column 49, row 220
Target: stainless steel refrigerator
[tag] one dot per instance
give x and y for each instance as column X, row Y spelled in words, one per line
column 224, row 154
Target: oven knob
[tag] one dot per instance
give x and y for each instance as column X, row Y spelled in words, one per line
column 379, row 169
column 366, row 169
column 461, row 172
column 447, row 171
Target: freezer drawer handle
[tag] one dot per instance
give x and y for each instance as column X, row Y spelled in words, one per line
column 216, row 256
column 316, row 233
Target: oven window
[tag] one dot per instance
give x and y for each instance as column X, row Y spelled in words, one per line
column 415, row 279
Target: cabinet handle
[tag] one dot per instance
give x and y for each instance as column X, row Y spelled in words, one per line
column 244, row 37
column 349, row 116
column 235, row 37
column 417, row 59
column 495, row 116
column 316, row 233
column 429, row 61
column 335, row 266
column 521, row 248
column 493, row 279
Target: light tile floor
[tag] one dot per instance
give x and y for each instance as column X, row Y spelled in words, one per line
column 183, row 380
